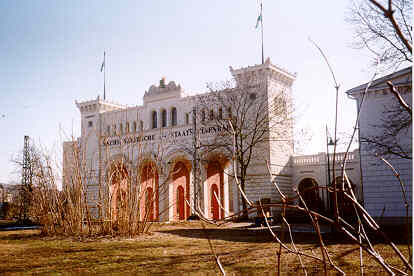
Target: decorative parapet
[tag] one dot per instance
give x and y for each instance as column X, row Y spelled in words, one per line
column 171, row 86
column 321, row 158
column 163, row 91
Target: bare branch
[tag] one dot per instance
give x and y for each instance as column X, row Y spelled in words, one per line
column 399, row 98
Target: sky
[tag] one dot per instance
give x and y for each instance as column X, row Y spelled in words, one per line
column 51, row 53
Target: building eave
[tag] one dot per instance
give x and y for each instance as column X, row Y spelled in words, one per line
column 380, row 83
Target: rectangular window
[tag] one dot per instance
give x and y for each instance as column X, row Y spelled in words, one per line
column 90, row 123
column 203, row 115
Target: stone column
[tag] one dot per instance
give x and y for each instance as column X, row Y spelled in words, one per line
column 234, row 194
column 226, row 192
column 164, row 197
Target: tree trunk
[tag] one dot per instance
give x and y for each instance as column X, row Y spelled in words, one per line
column 245, row 214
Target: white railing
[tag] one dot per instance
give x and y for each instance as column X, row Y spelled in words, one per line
column 321, row 158
column 307, row 159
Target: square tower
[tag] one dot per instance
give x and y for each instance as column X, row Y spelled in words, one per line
column 273, row 85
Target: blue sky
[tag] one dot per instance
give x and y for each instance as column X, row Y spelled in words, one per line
column 51, row 52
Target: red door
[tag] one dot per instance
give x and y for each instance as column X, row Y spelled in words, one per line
column 180, row 203
column 149, row 204
column 214, row 203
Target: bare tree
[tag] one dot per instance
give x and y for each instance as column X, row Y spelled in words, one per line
column 260, row 119
column 396, row 122
column 384, row 28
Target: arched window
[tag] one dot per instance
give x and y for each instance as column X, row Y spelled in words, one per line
column 174, row 116
column 134, row 126
column 187, row 118
column 141, row 125
column 127, row 127
column 229, row 112
column 220, row 113
column 114, row 129
column 121, row 128
column 163, row 118
column 211, row 115
column 154, row 119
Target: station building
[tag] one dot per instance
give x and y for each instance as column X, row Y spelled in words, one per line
column 383, row 191
column 150, row 148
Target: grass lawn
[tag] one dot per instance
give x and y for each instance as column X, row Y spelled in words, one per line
column 180, row 248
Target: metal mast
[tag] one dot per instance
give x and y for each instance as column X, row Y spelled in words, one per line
column 26, row 180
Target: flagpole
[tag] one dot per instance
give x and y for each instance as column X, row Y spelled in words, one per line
column 261, row 22
column 104, row 67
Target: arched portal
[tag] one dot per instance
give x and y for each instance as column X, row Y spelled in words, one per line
column 181, row 188
column 215, row 209
column 215, row 182
column 149, row 206
column 308, row 189
column 118, row 190
column 345, row 205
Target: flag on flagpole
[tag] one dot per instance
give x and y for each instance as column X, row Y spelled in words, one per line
column 103, row 63
column 259, row 19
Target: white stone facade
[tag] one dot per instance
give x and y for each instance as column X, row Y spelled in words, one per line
column 156, row 140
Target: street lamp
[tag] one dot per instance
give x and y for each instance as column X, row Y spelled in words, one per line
column 329, row 142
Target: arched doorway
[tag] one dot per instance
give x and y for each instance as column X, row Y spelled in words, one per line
column 148, row 199
column 180, row 203
column 345, row 206
column 308, row 190
column 149, row 204
column 215, row 209
column 215, row 182
column 118, row 190
column 181, row 188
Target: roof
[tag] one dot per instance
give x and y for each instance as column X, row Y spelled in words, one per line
column 381, row 82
